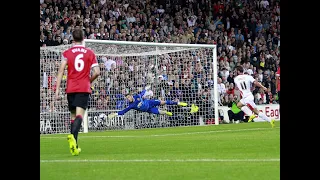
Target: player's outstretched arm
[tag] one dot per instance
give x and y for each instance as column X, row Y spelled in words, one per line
column 260, row 85
column 59, row 77
column 122, row 112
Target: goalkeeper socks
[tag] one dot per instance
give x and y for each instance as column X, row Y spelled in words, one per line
column 264, row 117
column 168, row 102
column 75, row 127
column 246, row 110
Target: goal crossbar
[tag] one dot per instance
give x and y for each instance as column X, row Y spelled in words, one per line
column 148, row 43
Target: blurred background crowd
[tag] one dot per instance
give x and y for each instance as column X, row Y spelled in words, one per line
column 246, row 32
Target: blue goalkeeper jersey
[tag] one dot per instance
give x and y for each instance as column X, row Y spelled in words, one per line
column 138, row 104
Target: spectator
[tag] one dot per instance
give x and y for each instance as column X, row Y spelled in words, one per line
column 245, row 32
column 235, row 114
column 261, row 96
column 108, row 62
column 49, row 41
column 230, row 90
column 42, row 41
column 221, row 88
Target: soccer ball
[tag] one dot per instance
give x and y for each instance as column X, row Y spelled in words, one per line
column 102, row 117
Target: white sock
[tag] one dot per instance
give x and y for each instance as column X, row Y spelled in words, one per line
column 246, row 110
column 264, row 117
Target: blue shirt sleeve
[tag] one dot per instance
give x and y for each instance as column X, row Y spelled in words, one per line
column 122, row 112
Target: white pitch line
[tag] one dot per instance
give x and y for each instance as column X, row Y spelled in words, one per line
column 162, row 135
column 156, row 160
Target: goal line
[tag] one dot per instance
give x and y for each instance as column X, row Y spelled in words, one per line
column 161, row 135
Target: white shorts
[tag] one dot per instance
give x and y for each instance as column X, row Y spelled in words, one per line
column 249, row 101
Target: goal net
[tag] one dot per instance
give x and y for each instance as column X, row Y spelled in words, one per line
column 177, row 72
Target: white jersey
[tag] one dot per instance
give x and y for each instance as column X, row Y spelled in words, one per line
column 148, row 94
column 244, row 82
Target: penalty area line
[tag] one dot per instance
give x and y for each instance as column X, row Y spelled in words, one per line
column 155, row 160
column 163, row 135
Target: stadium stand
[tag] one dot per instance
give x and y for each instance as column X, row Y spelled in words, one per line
column 245, row 31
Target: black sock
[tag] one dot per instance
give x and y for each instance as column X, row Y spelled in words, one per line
column 75, row 127
column 71, row 125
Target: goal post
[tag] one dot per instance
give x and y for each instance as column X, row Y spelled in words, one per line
column 183, row 72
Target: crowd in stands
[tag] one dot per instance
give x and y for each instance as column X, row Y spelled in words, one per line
column 246, row 32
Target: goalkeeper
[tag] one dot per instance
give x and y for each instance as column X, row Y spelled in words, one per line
column 149, row 105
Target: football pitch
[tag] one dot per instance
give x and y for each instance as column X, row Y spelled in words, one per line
column 245, row 151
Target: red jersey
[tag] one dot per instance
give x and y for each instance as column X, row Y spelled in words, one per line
column 278, row 77
column 80, row 60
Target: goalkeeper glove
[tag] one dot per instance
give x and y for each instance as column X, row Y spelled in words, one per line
column 112, row 115
column 147, row 87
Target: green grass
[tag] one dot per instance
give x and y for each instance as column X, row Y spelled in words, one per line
column 246, row 151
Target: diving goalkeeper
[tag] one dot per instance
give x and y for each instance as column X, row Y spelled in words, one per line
column 138, row 103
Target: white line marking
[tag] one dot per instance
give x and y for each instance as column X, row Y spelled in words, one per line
column 157, row 160
column 162, row 135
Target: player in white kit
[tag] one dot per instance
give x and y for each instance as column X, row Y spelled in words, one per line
column 246, row 104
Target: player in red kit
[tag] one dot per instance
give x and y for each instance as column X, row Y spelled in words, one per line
column 80, row 61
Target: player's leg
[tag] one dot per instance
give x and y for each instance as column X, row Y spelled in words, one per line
column 155, row 110
column 72, row 116
column 168, row 102
column 241, row 116
column 72, row 142
column 231, row 115
column 253, row 107
column 153, row 102
column 81, row 104
column 194, row 108
column 242, row 104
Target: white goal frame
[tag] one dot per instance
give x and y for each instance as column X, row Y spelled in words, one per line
column 214, row 61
